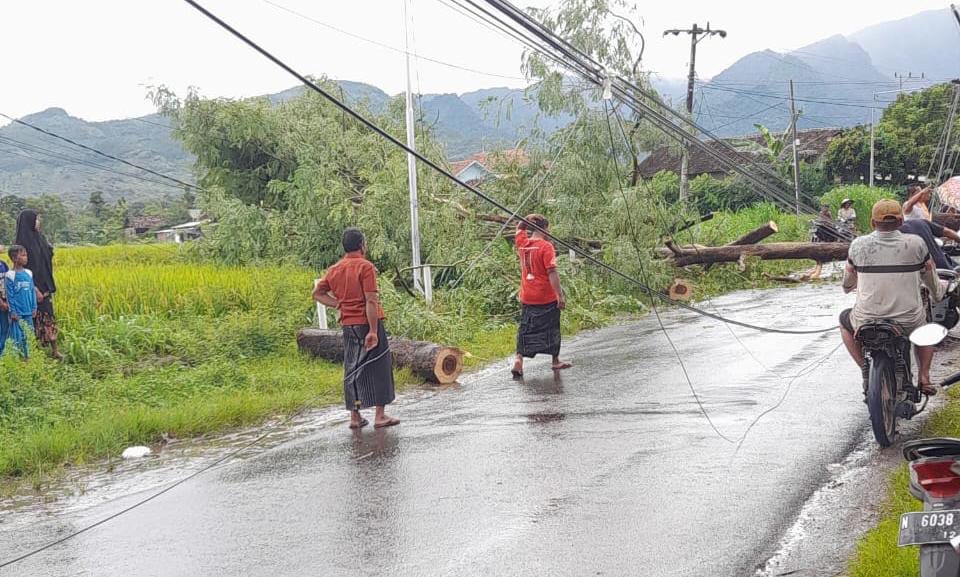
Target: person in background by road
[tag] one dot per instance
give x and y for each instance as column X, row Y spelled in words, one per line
column 886, row 269
column 4, row 306
column 917, row 205
column 22, row 298
column 847, row 215
column 31, row 238
column 350, row 286
column 928, row 230
column 541, row 296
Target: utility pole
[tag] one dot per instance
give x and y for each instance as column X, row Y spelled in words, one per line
column 909, row 76
column 696, row 35
column 412, row 167
column 873, row 113
column 796, row 146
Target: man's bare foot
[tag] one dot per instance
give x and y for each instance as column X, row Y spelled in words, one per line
column 559, row 365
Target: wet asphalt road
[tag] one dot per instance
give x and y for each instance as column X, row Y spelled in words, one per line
column 609, row 468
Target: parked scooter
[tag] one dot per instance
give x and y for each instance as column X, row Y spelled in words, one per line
column 935, row 480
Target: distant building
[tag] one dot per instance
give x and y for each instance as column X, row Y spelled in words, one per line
column 813, row 144
column 182, row 232
column 483, row 166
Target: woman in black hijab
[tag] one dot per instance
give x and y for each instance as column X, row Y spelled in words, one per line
column 40, row 263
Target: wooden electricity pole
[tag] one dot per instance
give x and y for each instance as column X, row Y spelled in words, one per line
column 796, row 151
column 696, row 35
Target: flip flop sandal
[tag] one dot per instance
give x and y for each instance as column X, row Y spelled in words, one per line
column 516, row 374
column 363, row 423
column 388, row 423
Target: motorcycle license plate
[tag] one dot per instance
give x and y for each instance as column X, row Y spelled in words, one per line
column 928, row 527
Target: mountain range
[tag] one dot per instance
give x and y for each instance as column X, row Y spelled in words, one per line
column 836, row 83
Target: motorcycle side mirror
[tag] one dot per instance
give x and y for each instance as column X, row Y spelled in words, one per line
column 928, row 335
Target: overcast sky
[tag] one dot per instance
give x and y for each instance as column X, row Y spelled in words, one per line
column 95, row 58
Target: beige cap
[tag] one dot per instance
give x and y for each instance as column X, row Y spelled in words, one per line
column 886, row 209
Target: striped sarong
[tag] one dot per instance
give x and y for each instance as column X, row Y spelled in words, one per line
column 539, row 331
column 367, row 375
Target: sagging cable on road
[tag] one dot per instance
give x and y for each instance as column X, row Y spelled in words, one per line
column 650, row 291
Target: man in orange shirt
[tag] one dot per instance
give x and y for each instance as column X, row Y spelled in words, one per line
column 541, row 296
column 350, row 286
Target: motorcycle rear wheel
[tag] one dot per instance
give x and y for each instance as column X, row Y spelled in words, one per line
column 882, row 399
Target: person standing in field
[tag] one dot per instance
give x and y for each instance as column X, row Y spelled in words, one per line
column 541, row 296
column 350, row 286
column 31, row 238
column 22, row 298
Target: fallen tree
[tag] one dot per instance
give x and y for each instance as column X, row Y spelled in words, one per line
column 429, row 361
column 816, row 251
column 753, row 237
column 950, row 220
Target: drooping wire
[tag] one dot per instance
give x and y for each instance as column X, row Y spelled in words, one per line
column 643, row 275
column 479, row 193
column 100, row 152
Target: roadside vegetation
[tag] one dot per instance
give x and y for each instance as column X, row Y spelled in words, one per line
column 877, row 553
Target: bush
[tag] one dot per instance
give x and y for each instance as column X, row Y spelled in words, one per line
column 863, row 198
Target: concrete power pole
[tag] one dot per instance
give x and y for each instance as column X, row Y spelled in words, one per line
column 696, row 35
column 412, row 173
column 796, row 147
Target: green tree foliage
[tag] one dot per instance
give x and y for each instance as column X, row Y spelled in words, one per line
column 905, row 140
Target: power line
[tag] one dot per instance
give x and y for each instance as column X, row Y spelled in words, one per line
column 27, row 147
column 386, row 46
column 100, row 152
column 446, row 173
column 673, row 123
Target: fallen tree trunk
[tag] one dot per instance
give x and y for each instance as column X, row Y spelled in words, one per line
column 950, row 220
column 431, row 362
column 816, row 251
column 753, row 237
column 756, row 235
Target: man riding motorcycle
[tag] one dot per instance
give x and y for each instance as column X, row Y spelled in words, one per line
column 886, row 267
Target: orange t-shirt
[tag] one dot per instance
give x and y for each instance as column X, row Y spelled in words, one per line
column 349, row 280
column 537, row 259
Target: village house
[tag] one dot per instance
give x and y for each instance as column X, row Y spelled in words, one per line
column 483, row 166
column 813, row 145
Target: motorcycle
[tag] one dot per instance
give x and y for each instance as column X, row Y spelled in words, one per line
column 934, row 480
column 946, row 311
column 891, row 393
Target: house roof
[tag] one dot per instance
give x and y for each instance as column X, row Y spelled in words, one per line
column 813, row 143
column 491, row 160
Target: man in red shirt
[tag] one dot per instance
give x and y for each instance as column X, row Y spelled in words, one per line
column 541, row 296
column 350, row 286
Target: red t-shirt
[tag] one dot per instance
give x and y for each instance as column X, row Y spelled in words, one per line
column 349, row 280
column 537, row 259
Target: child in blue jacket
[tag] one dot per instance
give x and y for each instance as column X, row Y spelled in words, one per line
column 21, row 297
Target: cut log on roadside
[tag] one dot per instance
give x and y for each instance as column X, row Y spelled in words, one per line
column 816, row 251
column 752, row 237
column 429, row 361
column 680, row 290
